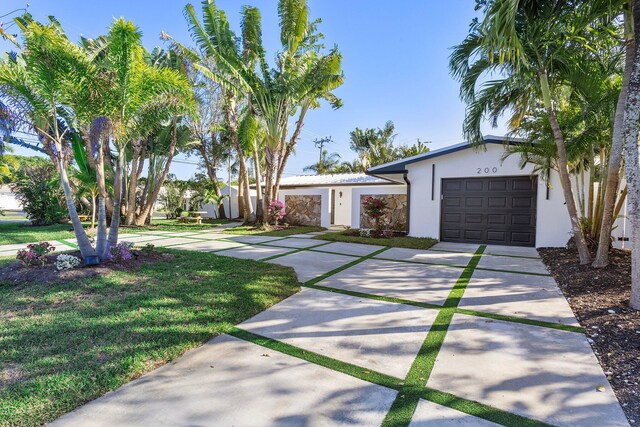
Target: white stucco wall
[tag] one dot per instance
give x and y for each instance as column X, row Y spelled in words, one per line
column 359, row 191
column 325, row 206
column 7, row 200
column 552, row 227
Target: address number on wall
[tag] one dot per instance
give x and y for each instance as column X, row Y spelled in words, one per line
column 487, row 170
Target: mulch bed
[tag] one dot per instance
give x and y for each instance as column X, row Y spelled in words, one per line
column 600, row 300
column 16, row 273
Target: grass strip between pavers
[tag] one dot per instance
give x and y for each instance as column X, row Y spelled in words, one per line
column 418, row 392
column 74, row 245
column 471, row 253
column 343, row 267
column 292, row 251
column 523, row 320
column 311, row 283
column 406, row 401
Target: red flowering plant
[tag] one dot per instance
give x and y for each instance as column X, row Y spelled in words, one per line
column 375, row 209
column 276, row 211
column 36, row 253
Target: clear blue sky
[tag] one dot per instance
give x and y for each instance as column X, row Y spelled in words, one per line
column 395, row 60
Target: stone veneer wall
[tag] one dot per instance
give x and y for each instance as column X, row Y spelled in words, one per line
column 396, row 216
column 303, row 209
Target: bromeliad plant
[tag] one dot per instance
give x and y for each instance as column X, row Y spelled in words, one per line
column 276, row 211
column 35, row 254
column 375, row 209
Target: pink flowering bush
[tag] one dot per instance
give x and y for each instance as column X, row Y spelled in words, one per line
column 375, row 209
column 276, row 210
column 35, row 254
column 121, row 252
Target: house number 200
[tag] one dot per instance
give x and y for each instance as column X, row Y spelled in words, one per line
column 487, row 170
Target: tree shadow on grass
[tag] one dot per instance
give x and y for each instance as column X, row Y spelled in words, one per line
column 75, row 341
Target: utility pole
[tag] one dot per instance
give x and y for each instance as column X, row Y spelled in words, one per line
column 319, row 143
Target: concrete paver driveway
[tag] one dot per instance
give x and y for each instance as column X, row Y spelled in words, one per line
column 460, row 335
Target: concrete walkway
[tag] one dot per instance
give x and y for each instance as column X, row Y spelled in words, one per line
column 459, row 335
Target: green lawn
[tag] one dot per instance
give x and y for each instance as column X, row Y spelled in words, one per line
column 249, row 229
column 63, row 345
column 11, row 233
column 351, row 236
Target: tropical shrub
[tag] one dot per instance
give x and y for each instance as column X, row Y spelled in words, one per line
column 67, row 262
column 121, row 252
column 375, row 208
column 276, row 211
column 35, row 254
column 173, row 198
column 41, row 200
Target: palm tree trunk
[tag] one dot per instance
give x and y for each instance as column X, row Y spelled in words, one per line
column 563, row 170
column 81, row 236
column 259, row 201
column 146, row 213
column 93, row 211
column 615, row 153
column 133, row 189
column 114, row 227
column 632, row 162
column 243, row 178
column 289, row 147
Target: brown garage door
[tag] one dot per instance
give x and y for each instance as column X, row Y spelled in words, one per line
column 497, row 210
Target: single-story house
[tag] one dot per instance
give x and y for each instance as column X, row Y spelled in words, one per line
column 8, row 200
column 327, row 200
column 465, row 194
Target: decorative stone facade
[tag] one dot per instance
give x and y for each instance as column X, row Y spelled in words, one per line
column 303, row 209
column 396, row 216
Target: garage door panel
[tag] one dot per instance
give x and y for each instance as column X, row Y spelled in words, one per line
column 473, row 218
column 496, row 236
column 497, row 219
column 520, row 202
column 452, row 185
column 453, row 202
column 473, row 234
column 523, row 238
column 522, row 219
column 522, row 184
column 497, row 210
column 473, row 202
column 474, row 185
column 452, row 217
column 451, row 233
column 498, row 185
column 497, row 202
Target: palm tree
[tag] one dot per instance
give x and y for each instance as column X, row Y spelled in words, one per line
column 138, row 93
column 303, row 75
column 36, row 85
column 327, row 164
column 614, row 169
column 374, row 146
column 531, row 45
column 632, row 159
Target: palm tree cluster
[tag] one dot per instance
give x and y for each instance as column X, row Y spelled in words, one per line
column 372, row 146
column 261, row 107
column 99, row 109
column 563, row 71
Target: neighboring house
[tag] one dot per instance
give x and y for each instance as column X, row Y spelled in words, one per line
column 8, row 201
column 230, row 203
column 462, row 194
column 327, row 200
